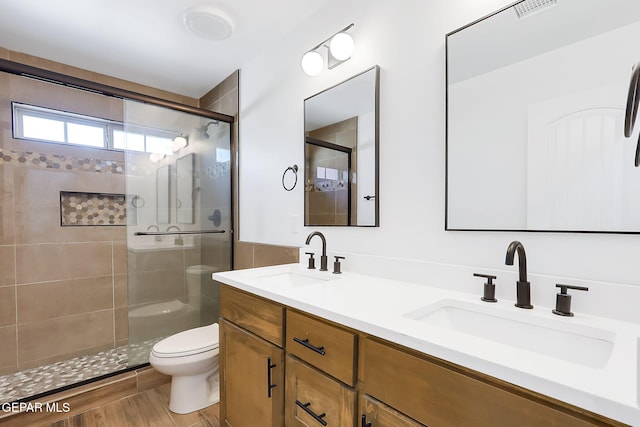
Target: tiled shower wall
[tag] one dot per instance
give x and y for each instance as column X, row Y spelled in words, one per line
column 224, row 99
column 63, row 290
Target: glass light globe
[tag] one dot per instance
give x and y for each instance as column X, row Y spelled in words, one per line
column 312, row 63
column 341, row 46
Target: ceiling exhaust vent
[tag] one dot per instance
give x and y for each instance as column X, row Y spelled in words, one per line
column 530, row 7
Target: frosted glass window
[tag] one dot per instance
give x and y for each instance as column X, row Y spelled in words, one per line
column 128, row 141
column 41, row 128
column 332, row 174
column 81, row 134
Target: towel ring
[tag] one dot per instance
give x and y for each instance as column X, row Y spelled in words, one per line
column 294, row 169
column 631, row 113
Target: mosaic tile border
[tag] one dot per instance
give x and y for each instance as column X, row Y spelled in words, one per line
column 60, row 162
column 31, row 382
column 91, row 209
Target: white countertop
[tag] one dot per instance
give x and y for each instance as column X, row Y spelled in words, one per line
column 379, row 307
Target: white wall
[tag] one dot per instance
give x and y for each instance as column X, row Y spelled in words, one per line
column 406, row 38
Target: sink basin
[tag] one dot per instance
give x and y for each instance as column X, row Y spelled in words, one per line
column 293, row 278
column 555, row 338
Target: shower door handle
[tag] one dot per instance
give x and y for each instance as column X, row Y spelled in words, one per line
column 270, row 366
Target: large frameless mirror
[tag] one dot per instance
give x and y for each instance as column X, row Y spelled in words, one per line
column 536, row 96
column 341, row 153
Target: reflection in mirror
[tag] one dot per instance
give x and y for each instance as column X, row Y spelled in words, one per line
column 535, row 118
column 163, row 186
column 185, row 189
column 341, row 153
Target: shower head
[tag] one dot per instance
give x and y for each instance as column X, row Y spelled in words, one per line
column 205, row 128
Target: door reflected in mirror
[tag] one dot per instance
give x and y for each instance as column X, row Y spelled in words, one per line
column 341, row 153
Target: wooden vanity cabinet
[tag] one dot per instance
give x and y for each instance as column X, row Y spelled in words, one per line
column 439, row 394
column 329, row 348
column 324, row 374
column 374, row 413
column 251, row 360
column 312, row 398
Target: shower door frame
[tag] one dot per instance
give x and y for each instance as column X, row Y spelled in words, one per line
column 53, row 77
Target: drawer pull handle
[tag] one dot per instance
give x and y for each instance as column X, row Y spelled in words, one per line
column 364, row 421
column 269, row 385
column 318, row 418
column 305, row 342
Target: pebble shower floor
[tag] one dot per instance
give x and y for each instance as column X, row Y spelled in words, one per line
column 31, row 382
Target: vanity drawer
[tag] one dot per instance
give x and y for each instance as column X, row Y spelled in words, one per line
column 433, row 394
column 314, row 399
column 327, row 347
column 258, row 315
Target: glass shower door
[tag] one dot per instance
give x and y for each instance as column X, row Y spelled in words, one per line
column 178, row 177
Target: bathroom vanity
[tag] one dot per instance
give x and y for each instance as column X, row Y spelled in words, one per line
column 307, row 348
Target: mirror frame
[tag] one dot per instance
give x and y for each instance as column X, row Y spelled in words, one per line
column 376, row 70
column 447, row 227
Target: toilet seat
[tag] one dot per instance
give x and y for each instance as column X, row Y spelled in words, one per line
column 187, row 343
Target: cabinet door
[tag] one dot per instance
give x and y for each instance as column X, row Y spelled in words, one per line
column 252, row 379
column 441, row 397
column 313, row 399
column 377, row 414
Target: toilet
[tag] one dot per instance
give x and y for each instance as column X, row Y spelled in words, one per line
column 191, row 358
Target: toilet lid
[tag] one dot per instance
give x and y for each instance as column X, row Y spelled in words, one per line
column 192, row 341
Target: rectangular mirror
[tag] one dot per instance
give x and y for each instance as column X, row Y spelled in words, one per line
column 535, row 117
column 185, row 189
column 341, row 153
column 163, row 186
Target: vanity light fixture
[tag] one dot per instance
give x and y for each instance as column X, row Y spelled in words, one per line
column 339, row 49
column 156, row 157
column 178, row 143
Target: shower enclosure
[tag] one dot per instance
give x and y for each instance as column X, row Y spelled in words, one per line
column 180, row 233
column 114, row 213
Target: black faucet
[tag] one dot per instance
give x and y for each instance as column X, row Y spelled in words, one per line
column 523, row 287
column 323, row 258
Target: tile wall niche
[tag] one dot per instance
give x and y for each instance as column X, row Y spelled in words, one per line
column 61, row 288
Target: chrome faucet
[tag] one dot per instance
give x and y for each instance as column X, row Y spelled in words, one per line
column 178, row 240
column 157, row 237
column 323, row 258
column 523, row 287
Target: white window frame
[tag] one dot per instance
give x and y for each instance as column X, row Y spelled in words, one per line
column 21, row 110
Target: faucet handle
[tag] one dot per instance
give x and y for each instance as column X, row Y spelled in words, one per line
column 563, row 299
column 489, row 287
column 336, row 265
column 312, row 261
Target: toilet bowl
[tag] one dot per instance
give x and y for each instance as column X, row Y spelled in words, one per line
column 191, row 358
